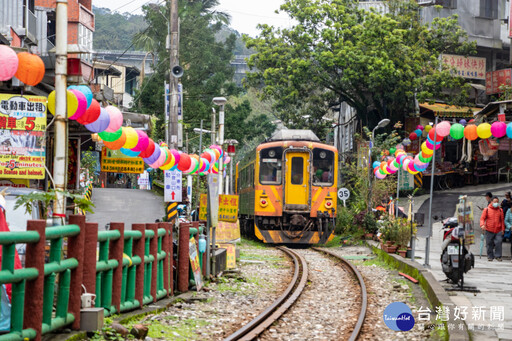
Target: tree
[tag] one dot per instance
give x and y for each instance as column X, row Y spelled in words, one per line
column 338, row 52
column 206, row 62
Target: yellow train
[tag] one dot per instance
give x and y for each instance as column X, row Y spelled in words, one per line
column 287, row 188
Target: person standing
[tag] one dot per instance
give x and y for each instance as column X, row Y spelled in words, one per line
column 492, row 222
column 506, row 203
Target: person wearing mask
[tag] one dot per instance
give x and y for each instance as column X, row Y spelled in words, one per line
column 506, row 203
column 492, row 222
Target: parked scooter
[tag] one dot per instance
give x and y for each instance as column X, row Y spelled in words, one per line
column 450, row 251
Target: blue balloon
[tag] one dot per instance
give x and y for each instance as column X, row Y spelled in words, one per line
column 375, row 164
column 432, row 142
column 156, row 154
column 509, row 130
column 85, row 90
column 418, row 132
column 129, row 152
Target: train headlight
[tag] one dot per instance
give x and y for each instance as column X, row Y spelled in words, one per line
column 328, row 204
column 263, row 202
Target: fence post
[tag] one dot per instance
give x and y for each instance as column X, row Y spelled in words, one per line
column 153, row 250
column 183, row 257
column 138, row 250
column 34, row 258
column 76, row 250
column 116, row 248
column 90, row 247
column 167, row 247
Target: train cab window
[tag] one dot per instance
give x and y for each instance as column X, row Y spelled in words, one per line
column 323, row 167
column 297, row 170
column 271, row 166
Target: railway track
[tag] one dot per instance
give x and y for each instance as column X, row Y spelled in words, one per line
column 265, row 319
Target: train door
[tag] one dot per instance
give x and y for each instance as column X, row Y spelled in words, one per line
column 297, row 181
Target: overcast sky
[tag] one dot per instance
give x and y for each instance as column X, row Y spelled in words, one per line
column 245, row 14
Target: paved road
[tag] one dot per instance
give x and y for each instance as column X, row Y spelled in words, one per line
column 493, row 279
column 125, row 205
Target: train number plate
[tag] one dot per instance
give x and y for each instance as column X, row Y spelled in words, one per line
column 453, row 249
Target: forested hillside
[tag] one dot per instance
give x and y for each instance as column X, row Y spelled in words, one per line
column 114, row 31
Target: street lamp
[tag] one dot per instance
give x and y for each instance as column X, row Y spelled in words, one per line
column 381, row 124
column 220, row 101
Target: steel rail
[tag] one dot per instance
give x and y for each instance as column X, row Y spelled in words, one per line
column 266, row 318
column 364, row 296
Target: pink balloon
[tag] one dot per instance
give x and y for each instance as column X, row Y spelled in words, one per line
column 498, row 129
column 160, row 161
column 380, row 176
column 176, row 156
column 411, row 168
column 443, row 128
column 9, row 63
column 143, row 142
column 417, row 161
column 405, row 164
column 116, row 119
column 193, row 165
column 227, row 159
column 82, row 104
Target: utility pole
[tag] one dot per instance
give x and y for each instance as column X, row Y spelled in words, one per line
column 173, row 80
column 61, row 141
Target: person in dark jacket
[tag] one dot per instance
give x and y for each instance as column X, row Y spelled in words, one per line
column 492, row 222
column 506, row 203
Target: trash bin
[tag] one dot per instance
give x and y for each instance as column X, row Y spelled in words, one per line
column 419, row 218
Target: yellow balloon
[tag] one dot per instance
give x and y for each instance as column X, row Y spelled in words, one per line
column 131, row 138
column 413, row 172
column 428, row 127
column 484, row 130
column 72, row 102
column 425, row 149
column 170, row 164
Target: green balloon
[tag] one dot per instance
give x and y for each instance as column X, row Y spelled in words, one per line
column 424, row 159
column 457, row 131
column 392, row 151
column 111, row 137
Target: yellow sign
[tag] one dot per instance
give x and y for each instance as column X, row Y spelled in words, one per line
column 115, row 161
column 227, row 232
column 203, row 205
column 22, row 142
column 194, row 263
column 228, row 208
column 230, row 255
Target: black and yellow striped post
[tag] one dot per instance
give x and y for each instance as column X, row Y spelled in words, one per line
column 418, row 180
column 87, row 195
column 171, row 211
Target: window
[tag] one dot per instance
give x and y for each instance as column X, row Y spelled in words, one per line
column 271, row 166
column 297, row 170
column 323, row 167
column 447, row 3
column 85, row 40
column 489, row 9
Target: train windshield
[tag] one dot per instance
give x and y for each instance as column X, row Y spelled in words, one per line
column 323, row 167
column 271, row 165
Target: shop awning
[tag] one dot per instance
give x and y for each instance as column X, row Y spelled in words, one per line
column 445, row 110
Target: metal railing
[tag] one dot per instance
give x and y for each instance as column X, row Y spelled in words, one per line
column 125, row 269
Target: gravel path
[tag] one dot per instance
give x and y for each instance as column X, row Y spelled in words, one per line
column 326, row 310
column 235, row 299
column 383, row 287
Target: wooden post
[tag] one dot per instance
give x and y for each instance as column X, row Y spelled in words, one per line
column 76, row 250
column 116, row 248
column 90, row 247
column 34, row 289
column 138, row 250
column 183, row 257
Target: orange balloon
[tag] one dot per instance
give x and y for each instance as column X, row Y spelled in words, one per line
column 470, row 132
column 117, row 144
column 30, row 68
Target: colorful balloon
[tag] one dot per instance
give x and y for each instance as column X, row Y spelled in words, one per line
column 443, row 128
column 132, row 138
column 91, row 114
column 160, row 160
column 484, row 130
column 149, row 150
column 129, row 152
column 509, row 130
column 428, row 127
column 413, row 136
column 154, row 156
column 9, row 63
column 101, row 123
column 457, row 131
column 116, row 118
column 72, row 102
column 470, row 132
column 117, row 144
column 498, row 129
column 81, row 105
column 110, row 137
column 184, row 162
column 434, row 136
column 142, row 142
column 30, row 68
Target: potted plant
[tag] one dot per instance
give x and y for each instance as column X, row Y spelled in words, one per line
column 403, row 235
column 370, row 225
